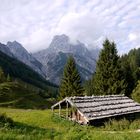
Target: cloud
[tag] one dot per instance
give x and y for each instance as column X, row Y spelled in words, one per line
column 34, row 22
column 132, row 37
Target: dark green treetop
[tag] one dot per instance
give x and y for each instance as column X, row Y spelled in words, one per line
column 71, row 81
column 2, row 76
column 108, row 78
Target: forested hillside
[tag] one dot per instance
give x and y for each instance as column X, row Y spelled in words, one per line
column 18, row 94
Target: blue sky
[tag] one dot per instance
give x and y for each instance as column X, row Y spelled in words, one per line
column 33, row 23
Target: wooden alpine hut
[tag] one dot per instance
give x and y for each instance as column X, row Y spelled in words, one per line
column 95, row 109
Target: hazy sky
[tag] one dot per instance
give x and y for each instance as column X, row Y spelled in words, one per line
column 33, row 23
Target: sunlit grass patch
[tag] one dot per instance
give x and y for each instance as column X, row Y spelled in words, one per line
column 43, row 125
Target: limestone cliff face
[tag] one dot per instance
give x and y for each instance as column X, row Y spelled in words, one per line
column 55, row 56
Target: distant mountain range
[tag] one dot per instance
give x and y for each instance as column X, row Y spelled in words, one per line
column 49, row 63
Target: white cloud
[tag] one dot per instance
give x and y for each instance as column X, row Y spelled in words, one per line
column 132, row 37
column 35, row 22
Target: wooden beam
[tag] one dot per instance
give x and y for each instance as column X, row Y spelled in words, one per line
column 59, row 109
column 58, row 103
column 67, row 109
column 53, row 110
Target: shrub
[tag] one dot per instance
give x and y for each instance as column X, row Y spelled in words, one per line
column 5, row 121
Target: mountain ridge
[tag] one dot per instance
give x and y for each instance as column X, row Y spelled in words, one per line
column 20, row 70
column 50, row 62
column 16, row 50
column 57, row 53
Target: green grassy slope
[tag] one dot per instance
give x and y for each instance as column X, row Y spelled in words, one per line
column 19, row 95
column 42, row 125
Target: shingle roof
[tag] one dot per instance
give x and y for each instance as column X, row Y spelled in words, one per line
column 96, row 107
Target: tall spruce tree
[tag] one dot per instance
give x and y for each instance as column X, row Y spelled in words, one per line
column 89, row 86
column 128, row 74
column 2, row 76
column 108, row 78
column 71, row 81
column 8, row 78
column 130, row 64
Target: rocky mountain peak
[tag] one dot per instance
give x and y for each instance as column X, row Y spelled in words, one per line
column 60, row 38
column 5, row 49
column 60, row 43
column 16, row 46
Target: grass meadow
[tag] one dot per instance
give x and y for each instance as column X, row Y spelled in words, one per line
column 43, row 125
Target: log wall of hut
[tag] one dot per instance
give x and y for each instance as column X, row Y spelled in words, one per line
column 76, row 116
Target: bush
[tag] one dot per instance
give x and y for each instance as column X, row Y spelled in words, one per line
column 5, row 121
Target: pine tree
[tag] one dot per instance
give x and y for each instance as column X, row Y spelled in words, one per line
column 128, row 74
column 71, row 81
column 89, row 86
column 8, row 79
column 108, row 77
column 2, row 76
